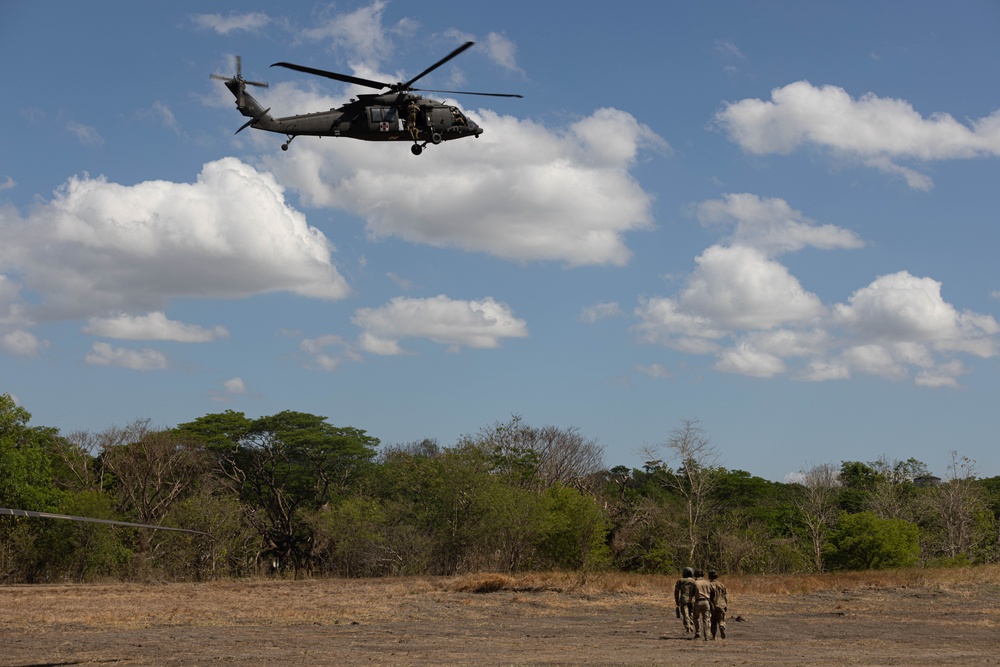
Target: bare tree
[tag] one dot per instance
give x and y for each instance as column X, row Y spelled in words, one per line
column 691, row 472
column 543, row 457
column 153, row 468
column 817, row 504
column 892, row 492
column 78, row 457
column 956, row 505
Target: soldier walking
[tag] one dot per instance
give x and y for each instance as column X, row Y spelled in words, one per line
column 720, row 604
column 702, row 605
column 684, row 592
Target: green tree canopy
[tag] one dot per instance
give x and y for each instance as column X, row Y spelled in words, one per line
column 863, row 541
column 282, row 465
column 25, row 468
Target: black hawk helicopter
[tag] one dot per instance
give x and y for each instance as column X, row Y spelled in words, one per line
column 395, row 115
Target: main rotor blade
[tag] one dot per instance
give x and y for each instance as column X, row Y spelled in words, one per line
column 465, row 92
column 346, row 78
column 47, row 515
column 406, row 86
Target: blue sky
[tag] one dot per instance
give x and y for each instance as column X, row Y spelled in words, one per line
column 779, row 219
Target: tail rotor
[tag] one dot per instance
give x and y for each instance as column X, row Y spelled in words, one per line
column 237, row 83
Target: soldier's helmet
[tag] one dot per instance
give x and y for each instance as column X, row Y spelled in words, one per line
column 712, row 574
column 687, row 572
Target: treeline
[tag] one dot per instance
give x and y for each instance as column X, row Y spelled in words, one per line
column 291, row 494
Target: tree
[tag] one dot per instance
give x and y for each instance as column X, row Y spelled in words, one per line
column 863, row 541
column 539, row 458
column 856, row 482
column 693, row 479
column 817, row 505
column 573, row 531
column 25, row 468
column 960, row 515
column 152, row 468
column 281, row 465
column 892, row 492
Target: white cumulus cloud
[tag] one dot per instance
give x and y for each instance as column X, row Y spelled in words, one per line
column 22, row 343
column 154, row 326
column 232, row 22
column 100, row 248
column 901, row 307
column 771, row 225
column 745, row 308
column 103, row 354
column 451, row 322
column 738, row 287
column 878, row 131
column 521, row 192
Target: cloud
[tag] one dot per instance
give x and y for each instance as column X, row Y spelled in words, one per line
column 235, row 385
column 361, row 33
column 7, row 184
column 771, row 225
column 740, row 288
column 154, row 326
column 166, row 116
column 903, row 308
column 725, row 47
column 247, row 22
column 232, row 388
column 455, row 323
column 103, row 354
column 522, row 192
column 85, row 133
column 877, row 131
column 400, row 282
column 99, row 247
column 655, row 371
column 745, row 360
column 327, row 361
column 502, row 51
column 749, row 312
column 600, row 311
column 11, row 308
column 22, row 343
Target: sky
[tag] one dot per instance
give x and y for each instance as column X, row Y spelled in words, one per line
column 777, row 219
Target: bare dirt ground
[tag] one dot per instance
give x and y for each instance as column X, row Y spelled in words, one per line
column 499, row 620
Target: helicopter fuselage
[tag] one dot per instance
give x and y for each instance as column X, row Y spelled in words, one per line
column 384, row 117
column 396, row 115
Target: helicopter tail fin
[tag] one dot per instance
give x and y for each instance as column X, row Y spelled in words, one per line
column 252, row 109
column 245, row 102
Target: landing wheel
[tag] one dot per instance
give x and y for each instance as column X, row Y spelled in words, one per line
column 416, row 149
column 284, row 147
column 436, row 138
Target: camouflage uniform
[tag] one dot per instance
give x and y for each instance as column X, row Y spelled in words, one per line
column 684, row 591
column 702, row 605
column 411, row 119
column 720, row 605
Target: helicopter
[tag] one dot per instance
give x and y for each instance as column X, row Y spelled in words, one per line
column 395, row 115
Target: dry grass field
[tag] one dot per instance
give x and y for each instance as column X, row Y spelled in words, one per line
column 911, row 617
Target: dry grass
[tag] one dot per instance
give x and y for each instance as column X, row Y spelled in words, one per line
column 913, row 617
column 336, row 601
column 590, row 584
column 932, row 578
